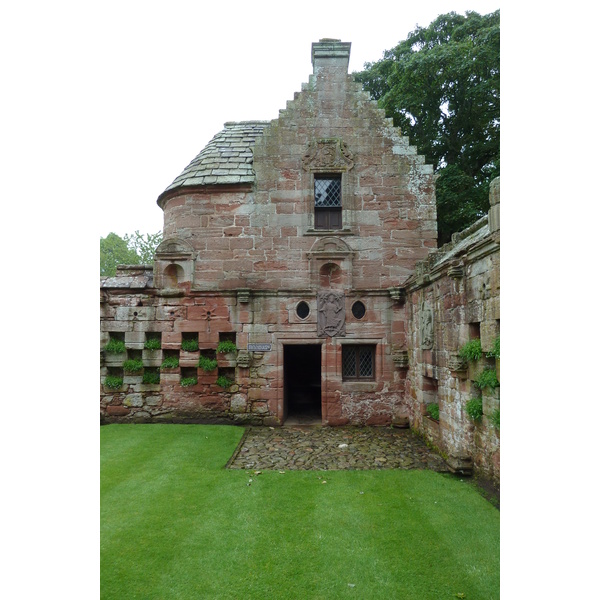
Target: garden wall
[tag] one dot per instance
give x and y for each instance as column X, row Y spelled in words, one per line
column 453, row 299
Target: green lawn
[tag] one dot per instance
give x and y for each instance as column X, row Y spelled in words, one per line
column 176, row 524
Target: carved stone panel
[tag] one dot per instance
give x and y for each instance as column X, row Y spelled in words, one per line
column 331, row 319
column 426, row 326
column 328, row 155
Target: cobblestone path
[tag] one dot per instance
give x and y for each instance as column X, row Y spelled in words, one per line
column 333, row 448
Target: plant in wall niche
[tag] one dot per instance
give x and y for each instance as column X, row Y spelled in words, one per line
column 226, row 346
column 471, row 351
column 113, row 382
column 487, row 378
column 495, row 418
column 207, row 364
column 189, row 345
column 170, row 362
column 495, row 351
column 188, row 381
column 133, row 366
column 224, row 382
column 152, row 344
column 433, row 410
column 115, row 346
column 475, row 408
column 151, row 377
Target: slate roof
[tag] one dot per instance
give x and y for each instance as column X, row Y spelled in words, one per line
column 226, row 159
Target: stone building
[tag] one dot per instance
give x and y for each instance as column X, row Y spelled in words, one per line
column 308, row 243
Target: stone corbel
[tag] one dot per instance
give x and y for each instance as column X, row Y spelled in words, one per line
column 398, row 294
column 400, row 358
column 456, row 270
column 243, row 359
column 457, row 364
column 243, row 295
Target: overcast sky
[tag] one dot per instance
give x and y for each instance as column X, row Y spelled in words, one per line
column 134, row 90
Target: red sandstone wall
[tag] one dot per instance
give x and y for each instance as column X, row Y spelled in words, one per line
column 463, row 289
column 261, row 237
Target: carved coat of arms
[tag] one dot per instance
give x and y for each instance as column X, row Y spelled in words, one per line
column 326, row 155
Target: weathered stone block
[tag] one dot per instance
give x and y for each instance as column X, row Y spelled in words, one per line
column 239, row 403
column 117, row 411
column 133, row 400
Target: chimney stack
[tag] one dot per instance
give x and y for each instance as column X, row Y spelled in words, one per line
column 329, row 53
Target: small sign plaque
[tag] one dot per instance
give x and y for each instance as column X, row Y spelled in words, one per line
column 259, row 347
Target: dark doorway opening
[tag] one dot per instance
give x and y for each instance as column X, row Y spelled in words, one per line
column 302, row 383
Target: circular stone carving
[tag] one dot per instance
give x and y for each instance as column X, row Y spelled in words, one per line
column 302, row 310
column 358, row 310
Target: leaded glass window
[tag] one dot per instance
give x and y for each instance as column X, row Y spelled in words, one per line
column 328, row 202
column 358, row 362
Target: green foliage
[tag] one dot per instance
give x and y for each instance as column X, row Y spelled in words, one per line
column 189, row 345
column 475, row 408
column 144, row 245
column 207, row 364
column 115, row 346
column 487, row 378
column 133, row 366
column 441, row 86
column 170, row 362
column 433, row 410
column 151, row 377
column 133, row 249
column 115, row 251
column 495, row 351
column 495, row 418
column 471, row 351
column 188, row 381
column 224, row 382
column 152, row 344
column 113, row 382
column 226, row 346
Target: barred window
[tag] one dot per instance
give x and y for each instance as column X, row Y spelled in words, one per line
column 358, row 362
column 328, row 202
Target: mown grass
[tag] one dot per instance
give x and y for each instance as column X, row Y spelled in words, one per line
column 176, row 525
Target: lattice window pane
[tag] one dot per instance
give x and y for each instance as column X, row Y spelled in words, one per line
column 349, row 362
column 328, row 193
column 365, row 363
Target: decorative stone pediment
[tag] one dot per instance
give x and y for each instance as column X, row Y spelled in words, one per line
column 331, row 254
column 175, row 248
column 327, row 155
column 330, row 247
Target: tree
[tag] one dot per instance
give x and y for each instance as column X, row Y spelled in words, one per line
column 133, row 249
column 144, row 245
column 442, row 87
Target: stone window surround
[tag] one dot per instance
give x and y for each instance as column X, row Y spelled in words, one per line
column 372, row 350
column 356, row 385
column 338, row 167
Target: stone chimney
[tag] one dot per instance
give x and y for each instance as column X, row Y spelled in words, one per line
column 328, row 53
